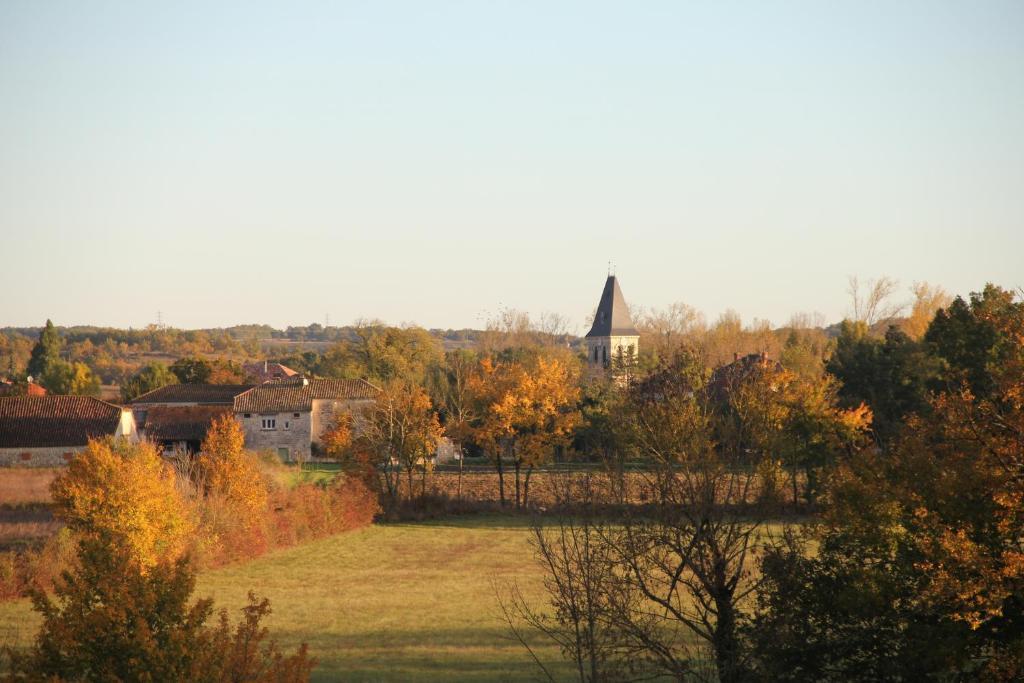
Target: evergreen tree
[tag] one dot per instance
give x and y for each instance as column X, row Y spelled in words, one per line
column 46, row 351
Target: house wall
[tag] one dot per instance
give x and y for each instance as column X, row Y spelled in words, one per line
column 126, row 427
column 53, row 456
column 296, row 438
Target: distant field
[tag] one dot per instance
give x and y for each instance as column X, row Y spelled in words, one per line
column 395, row 602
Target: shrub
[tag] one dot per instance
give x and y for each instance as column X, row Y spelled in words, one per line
column 115, row 619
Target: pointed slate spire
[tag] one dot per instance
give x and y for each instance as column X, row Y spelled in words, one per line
column 612, row 317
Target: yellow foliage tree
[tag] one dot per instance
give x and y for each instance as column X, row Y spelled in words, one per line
column 125, row 494
column 528, row 409
column 402, row 431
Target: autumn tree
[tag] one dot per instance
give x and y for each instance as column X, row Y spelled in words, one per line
column 150, row 377
column 402, row 431
column 527, row 409
column 450, row 387
column 124, row 494
column 382, row 353
column 226, row 471
column 76, row 378
column 928, row 300
column 194, row 370
column 919, row 569
column 114, row 619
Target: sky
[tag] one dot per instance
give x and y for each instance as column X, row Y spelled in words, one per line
column 437, row 162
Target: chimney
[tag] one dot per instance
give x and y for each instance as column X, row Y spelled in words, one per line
column 305, row 381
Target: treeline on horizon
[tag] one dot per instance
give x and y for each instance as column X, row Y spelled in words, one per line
column 114, row 355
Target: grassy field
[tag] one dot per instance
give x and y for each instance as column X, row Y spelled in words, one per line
column 394, row 602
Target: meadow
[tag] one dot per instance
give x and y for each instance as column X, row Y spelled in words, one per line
column 390, row 602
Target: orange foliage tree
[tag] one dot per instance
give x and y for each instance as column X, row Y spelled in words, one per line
column 125, row 494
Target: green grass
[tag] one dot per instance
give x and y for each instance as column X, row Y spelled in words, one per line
column 395, row 602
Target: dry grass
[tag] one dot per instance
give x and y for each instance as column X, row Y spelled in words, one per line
column 25, row 485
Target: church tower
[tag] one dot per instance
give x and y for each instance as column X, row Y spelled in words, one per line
column 612, row 342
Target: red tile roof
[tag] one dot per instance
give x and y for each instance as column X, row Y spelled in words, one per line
column 212, row 394
column 9, row 388
column 299, row 396
column 41, row 421
column 268, row 372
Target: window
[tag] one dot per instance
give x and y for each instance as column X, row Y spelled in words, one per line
column 604, row 353
column 282, row 453
column 269, row 423
column 248, row 415
column 595, row 353
column 287, row 424
column 295, row 414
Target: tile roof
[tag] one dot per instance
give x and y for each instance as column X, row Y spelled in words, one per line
column 179, row 423
column 298, row 396
column 612, row 317
column 266, row 371
column 215, row 394
column 9, row 388
column 41, row 421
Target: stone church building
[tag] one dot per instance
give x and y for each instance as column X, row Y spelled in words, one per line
column 612, row 342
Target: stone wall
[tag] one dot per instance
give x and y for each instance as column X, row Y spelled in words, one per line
column 38, row 457
column 296, row 438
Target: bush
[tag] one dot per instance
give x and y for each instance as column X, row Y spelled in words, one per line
column 116, row 619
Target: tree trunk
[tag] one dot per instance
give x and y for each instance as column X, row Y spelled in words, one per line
column 518, row 500
column 462, row 459
column 501, row 481
column 796, row 490
column 408, row 474
column 526, row 487
column 724, row 639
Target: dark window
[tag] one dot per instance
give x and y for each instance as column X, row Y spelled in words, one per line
column 248, row 415
column 604, row 353
column 295, row 414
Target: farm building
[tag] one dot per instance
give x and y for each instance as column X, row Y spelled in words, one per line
column 45, row 431
column 177, row 416
column 290, row 418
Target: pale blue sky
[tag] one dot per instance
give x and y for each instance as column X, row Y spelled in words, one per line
column 435, row 161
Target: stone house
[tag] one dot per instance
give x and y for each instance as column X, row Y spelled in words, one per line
column 47, row 431
column 290, row 418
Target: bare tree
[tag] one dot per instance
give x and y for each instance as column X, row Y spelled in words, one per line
column 871, row 301
column 663, row 332
column 681, row 577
